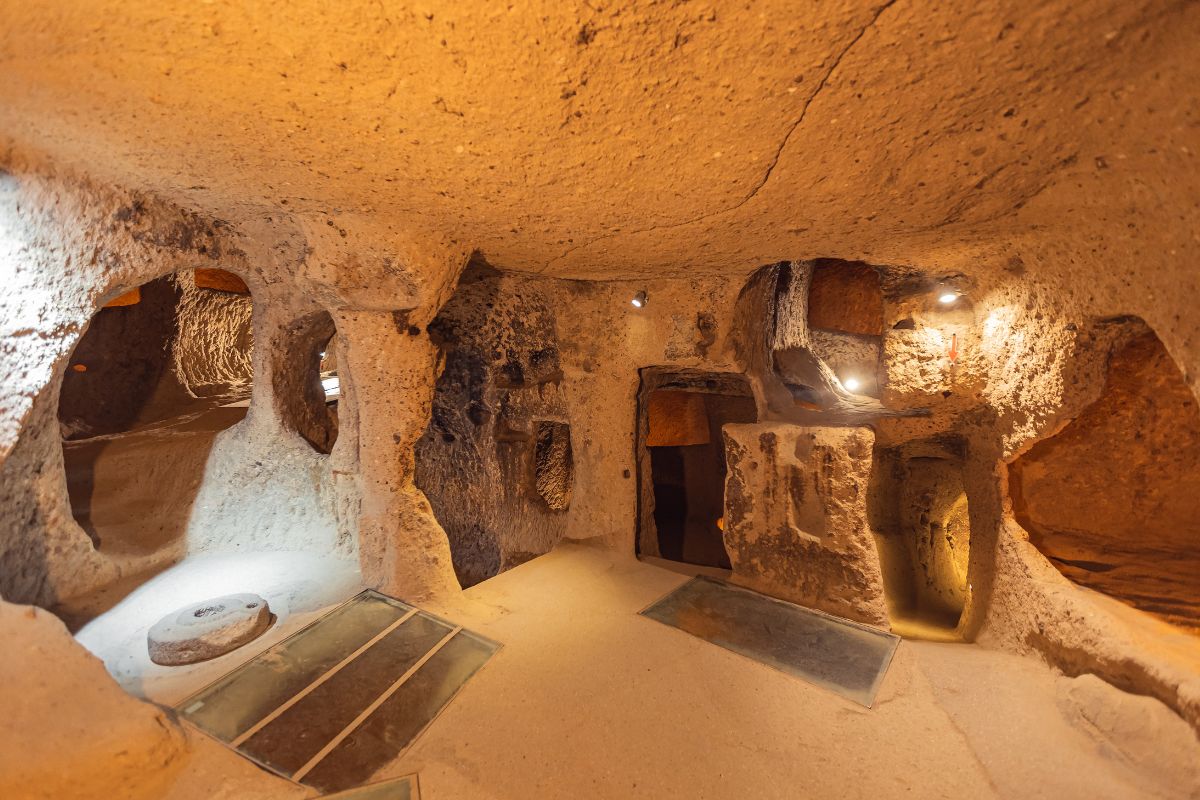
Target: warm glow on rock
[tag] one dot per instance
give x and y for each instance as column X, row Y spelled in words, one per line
column 301, row 298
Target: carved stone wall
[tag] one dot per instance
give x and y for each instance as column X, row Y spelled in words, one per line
column 796, row 517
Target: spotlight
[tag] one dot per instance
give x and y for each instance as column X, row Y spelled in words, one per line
column 851, row 384
column 639, row 300
column 946, row 298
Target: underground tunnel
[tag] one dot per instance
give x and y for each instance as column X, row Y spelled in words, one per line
column 654, row 401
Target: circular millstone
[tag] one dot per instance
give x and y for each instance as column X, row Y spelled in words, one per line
column 209, row 629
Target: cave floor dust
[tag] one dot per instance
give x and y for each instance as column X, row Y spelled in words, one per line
column 588, row 699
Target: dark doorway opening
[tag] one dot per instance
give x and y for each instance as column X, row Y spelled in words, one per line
column 682, row 462
column 921, row 519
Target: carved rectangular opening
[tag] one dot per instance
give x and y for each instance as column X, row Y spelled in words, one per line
column 921, row 519
column 681, row 459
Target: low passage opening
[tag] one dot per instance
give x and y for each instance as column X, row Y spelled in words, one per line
column 923, row 529
column 307, row 383
column 1113, row 499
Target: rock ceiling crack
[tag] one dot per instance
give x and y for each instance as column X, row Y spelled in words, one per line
column 770, row 165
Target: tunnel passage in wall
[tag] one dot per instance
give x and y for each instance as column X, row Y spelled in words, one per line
column 159, row 372
column 921, row 519
column 682, row 462
column 1113, row 499
column 496, row 461
column 845, row 296
column 810, row 335
column 307, row 385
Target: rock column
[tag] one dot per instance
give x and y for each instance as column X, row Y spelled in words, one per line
column 402, row 549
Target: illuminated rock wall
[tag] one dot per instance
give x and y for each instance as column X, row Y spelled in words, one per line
column 1114, row 498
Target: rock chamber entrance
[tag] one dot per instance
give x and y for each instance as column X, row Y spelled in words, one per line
column 160, row 371
column 681, row 462
column 1113, row 499
column 198, row 546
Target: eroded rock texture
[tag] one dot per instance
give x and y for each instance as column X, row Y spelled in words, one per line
column 496, row 461
column 796, row 517
column 214, row 339
column 1114, row 498
column 554, row 467
column 1040, row 158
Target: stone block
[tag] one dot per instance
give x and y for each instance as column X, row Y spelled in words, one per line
column 796, row 517
column 209, row 629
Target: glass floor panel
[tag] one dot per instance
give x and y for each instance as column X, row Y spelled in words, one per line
column 842, row 656
column 333, row 703
column 403, row 715
column 288, row 742
column 399, row 789
column 229, row 707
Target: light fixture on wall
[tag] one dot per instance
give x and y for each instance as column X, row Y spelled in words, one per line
column 640, row 299
column 949, row 290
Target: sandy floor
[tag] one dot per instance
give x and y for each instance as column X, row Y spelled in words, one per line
column 588, row 699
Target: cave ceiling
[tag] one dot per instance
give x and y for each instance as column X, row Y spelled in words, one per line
column 589, row 140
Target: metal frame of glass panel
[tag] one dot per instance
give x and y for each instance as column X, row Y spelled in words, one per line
column 346, row 694
column 405, row 788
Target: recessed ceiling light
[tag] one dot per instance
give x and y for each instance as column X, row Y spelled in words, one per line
column 639, row 300
column 947, row 297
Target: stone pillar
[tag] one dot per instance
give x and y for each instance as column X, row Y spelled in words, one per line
column 796, row 517
column 402, row 549
column 604, row 500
